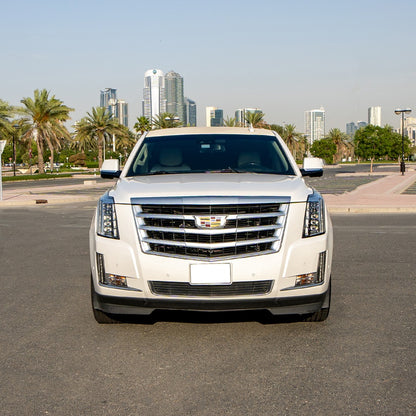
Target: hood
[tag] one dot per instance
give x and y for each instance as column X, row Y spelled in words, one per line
column 210, row 184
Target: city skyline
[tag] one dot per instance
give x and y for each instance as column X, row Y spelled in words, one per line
column 359, row 62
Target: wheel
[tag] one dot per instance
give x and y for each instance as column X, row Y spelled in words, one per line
column 100, row 316
column 322, row 314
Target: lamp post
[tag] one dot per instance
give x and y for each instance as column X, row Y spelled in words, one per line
column 16, row 126
column 404, row 111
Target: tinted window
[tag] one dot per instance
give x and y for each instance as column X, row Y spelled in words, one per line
column 208, row 153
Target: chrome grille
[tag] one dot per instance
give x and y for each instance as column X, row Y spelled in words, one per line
column 210, row 228
column 235, row 289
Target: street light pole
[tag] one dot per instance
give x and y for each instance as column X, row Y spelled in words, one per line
column 402, row 112
column 16, row 126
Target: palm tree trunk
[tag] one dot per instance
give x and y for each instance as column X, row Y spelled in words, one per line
column 100, row 151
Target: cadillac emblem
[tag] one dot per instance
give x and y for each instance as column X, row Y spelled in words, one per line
column 210, row 222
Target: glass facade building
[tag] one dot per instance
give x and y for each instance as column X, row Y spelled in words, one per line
column 106, row 95
column 175, row 101
column 315, row 124
column 190, row 110
column 214, row 117
column 154, row 94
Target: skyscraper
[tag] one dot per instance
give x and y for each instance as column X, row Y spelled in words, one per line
column 154, row 94
column 351, row 128
column 241, row 113
column 175, row 101
column 374, row 116
column 190, row 109
column 315, row 124
column 214, row 117
column 119, row 111
column 106, row 95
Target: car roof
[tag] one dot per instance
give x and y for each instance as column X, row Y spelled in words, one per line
column 209, row 130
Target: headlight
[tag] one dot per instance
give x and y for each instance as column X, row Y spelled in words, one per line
column 107, row 218
column 314, row 216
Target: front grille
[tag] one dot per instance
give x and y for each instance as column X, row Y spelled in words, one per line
column 210, row 228
column 235, row 289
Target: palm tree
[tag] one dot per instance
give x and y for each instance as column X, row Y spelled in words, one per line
column 99, row 126
column 166, row 121
column 341, row 140
column 6, row 112
column 230, row 122
column 143, row 124
column 46, row 116
column 256, row 119
column 293, row 139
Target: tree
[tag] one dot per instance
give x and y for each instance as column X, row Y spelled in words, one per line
column 343, row 147
column 230, row 122
column 46, row 116
column 98, row 126
column 325, row 149
column 373, row 142
column 294, row 140
column 166, row 121
column 6, row 112
column 142, row 124
column 256, row 119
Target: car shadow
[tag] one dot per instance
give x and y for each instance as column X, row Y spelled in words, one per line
column 197, row 317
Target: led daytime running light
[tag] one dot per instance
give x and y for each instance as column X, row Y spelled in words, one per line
column 107, row 218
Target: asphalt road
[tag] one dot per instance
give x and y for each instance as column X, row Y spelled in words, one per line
column 56, row 360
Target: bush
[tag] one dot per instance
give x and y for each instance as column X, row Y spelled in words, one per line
column 78, row 159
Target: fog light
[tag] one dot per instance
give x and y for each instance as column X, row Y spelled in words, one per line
column 115, row 280
column 109, row 279
column 315, row 278
column 306, row 279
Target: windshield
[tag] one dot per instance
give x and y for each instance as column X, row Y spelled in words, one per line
column 210, row 153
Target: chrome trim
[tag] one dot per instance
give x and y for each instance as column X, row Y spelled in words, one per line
column 130, row 289
column 270, row 243
column 210, row 246
column 211, row 200
column 208, row 231
column 301, row 287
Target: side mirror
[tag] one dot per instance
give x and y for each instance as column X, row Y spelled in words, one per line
column 312, row 166
column 110, row 169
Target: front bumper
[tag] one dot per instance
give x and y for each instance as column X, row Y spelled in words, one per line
column 299, row 305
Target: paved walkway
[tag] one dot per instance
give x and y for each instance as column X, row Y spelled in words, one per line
column 383, row 195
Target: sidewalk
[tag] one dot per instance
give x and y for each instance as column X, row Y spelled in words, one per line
column 383, row 195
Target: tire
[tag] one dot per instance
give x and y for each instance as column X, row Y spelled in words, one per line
column 322, row 314
column 100, row 316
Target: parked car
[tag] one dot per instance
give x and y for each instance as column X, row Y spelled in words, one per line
column 211, row 219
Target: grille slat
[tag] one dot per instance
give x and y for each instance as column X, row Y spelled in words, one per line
column 210, row 231
column 235, row 289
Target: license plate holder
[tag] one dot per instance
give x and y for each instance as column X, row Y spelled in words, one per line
column 210, row 274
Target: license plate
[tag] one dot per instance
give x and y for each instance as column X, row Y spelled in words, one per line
column 210, row 274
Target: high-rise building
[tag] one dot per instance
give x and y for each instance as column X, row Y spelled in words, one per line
column 190, row 110
column 241, row 113
column 106, row 95
column 119, row 111
column 214, row 117
column 351, row 128
column 374, row 116
column 409, row 129
column 175, row 101
column 154, row 93
column 315, row 124
column 361, row 124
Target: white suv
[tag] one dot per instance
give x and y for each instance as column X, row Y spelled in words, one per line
column 211, row 219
